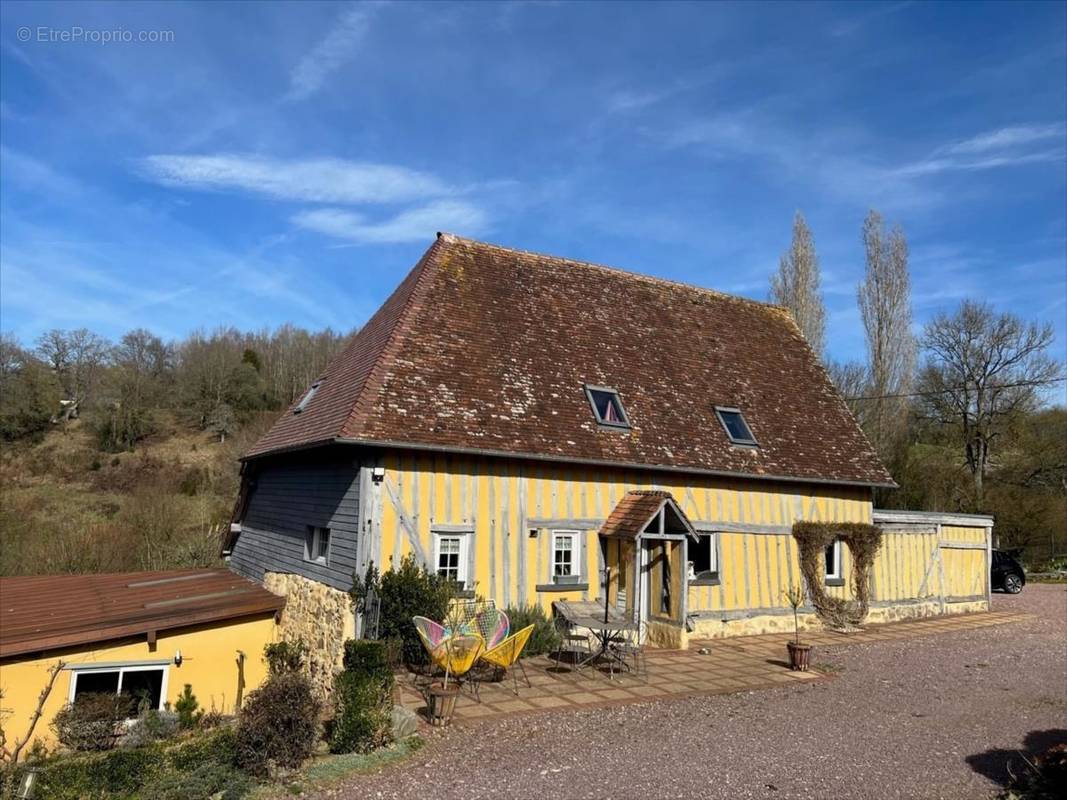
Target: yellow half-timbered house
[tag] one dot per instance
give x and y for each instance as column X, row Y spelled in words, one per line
column 541, row 429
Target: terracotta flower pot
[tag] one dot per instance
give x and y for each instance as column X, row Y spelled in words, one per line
column 799, row 656
column 443, row 703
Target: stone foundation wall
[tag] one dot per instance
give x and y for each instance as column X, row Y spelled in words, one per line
column 320, row 617
column 710, row 627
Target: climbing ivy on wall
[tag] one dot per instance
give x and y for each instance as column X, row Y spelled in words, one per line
column 863, row 541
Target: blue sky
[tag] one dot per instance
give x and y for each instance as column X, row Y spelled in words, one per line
column 289, row 162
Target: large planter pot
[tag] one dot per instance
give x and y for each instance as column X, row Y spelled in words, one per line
column 799, row 656
column 443, row 703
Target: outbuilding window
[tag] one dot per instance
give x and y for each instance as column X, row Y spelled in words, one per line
column 607, row 407
column 450, row 557
column 566, row 557
column 733, row 422
column 145, row 685
column 317, row 545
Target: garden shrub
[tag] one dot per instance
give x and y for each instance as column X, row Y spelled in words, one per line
column 118, row 773
column 188, row 706
column 151, row 726
column 278, row 725
column 93, row 721
column 219, row 746
column 210, row 780
column 363, row 699
column 545, row 637
column 406, row 591
column 285, row 657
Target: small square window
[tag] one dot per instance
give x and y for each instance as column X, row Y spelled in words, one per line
column 733, row 422
column 317, row 545
column 307, row 397
column 607, row 407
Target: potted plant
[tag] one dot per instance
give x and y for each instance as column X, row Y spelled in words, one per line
column 799, row 654
column 443, row 694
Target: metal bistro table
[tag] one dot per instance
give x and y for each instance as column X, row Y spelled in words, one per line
column 605, row 632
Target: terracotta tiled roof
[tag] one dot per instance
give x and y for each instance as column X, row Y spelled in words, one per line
column 46, row 612
column 632, row 513
column 484, row 348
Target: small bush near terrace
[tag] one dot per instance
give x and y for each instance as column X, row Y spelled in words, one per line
column 545, row 637
column 279, row 723
column 93, row 721
column 406, row 591
column 363, row 699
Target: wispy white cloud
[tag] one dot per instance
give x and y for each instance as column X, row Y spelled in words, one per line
column 323, row 180
column 1004, row 138
column 337, row 47
column 411, row 225
column 1013, row 145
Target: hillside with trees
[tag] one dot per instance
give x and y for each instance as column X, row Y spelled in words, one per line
column 124, row 455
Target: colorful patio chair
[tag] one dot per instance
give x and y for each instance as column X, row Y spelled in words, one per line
column 506, row 655
column 455, row 653
column 492, row 624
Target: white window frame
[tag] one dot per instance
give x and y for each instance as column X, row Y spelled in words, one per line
column 576, row 557
column 462, row 576
column 836, row 574
column 312, row 540
column 713, row 549
column 121, row 669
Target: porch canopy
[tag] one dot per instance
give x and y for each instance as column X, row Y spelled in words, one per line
column 647, row 512
column 644, row 545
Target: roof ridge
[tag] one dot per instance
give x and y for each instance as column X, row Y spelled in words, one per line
column 452, row 237
column 386, row 352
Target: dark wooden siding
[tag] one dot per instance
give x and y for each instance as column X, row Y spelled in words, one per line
column 288, row 496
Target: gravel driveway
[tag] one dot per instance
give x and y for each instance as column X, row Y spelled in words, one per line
column 930, row 717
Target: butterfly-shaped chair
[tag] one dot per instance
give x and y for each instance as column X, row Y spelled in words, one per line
column 507, row 653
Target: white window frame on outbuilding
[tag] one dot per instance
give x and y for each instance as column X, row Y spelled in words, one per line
column 122, row 669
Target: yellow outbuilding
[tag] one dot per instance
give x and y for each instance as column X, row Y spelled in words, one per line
column 143, row 634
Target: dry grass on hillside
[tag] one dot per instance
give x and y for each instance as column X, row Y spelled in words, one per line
column 67, row 507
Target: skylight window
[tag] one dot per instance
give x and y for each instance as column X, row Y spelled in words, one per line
column 307, row 397
column 607, row 407
column 733, row 422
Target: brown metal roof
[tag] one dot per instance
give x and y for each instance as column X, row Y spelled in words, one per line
column 52, row 611
column 487, row 349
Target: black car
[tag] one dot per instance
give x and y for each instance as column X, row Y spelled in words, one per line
column 1007, row 573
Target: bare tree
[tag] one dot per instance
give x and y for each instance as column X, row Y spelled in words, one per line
column 796, row 286
column 884, row 299
column 77, row 358
column 850, row 380
column 983, row 371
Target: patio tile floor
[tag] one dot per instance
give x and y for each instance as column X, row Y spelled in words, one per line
column 732, row 665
